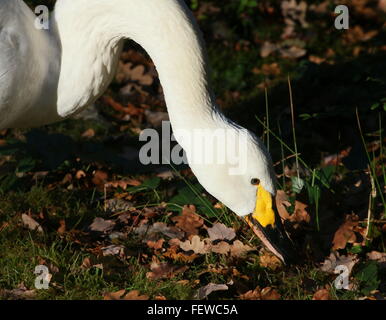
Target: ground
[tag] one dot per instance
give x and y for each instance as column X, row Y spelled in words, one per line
column 75, row 199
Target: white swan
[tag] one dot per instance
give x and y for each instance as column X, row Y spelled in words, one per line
column 49, row 75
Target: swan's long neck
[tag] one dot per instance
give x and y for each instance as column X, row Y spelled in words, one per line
column 164, row 28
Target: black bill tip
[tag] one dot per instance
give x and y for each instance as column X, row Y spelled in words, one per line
column 276, row 240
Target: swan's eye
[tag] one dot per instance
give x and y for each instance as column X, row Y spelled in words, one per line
column 255, row 181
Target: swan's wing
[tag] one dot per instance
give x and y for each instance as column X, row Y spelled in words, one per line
column 15, row 46
column 28, row 68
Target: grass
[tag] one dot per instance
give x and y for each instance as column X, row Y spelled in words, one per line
column 344, row 88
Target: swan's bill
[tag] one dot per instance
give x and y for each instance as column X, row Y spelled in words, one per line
column 266, row 224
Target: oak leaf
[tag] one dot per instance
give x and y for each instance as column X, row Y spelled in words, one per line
column 195, row 245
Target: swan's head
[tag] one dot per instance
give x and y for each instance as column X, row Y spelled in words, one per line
column 238, row 171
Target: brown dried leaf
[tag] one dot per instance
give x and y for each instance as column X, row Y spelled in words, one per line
column 239, row 249
column 164, row 270
column 282, row 203
column 179, row 256
column 322, row 294
column 62, row 227
column 86, row 263
column 300, row 213
column 122, row 295
column 138, row 73
column 221, row 247
column 382, row 5
column 220, row 231
column 102, row 225
column 89, row 133
column 156, row 245
column 345, row 234
column 270, row 293
column 269, row 260
column 196, row 245
column 267, row 49
column 251, row 295
column 80, row 174
column 189, row 221
column 152, row 233
column 100, row 178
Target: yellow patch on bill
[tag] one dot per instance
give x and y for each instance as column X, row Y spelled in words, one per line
column 263, row 210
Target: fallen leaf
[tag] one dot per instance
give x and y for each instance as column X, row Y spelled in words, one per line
column 179, row 256
column 377, row 256
column 80, row 174
column 151, row 233
column 251, row 295
column 113, row 250
column 270, row 293
column 269, row 260
column 196, row 245
column 221, row 247
column 205, row 291
column 267, row 49
column 345, row 234
column 156, row 245
column 118, row 205
column 102, row 225
column 100, row 178
column 30, row 223
column 189, row 221
column 62, row 227
column 138, row 73
column 300, row 213
column 122, row 295
column 239, row 249
column 282, row 203
column 89, row 133
column 292, row 52
column 123, row 183
column 86, row 263
column 322, row 294
column 21, row 292
column 220, row 231
column 382, row 5
column 335, row 260
column 161, row 270
column 272, row 69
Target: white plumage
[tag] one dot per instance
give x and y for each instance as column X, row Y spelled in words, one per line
column 49, row 75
